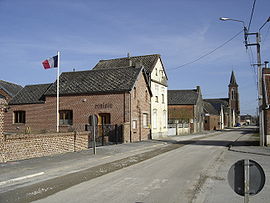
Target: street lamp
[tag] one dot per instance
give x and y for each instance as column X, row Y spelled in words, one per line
column 225, row 19
column 245, row 28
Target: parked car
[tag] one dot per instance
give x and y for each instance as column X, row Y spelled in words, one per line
column 237, row 125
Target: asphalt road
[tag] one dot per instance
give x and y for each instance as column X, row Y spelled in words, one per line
column 189, row 173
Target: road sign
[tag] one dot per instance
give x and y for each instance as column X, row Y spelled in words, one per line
column 246, row 177
column 93, row 121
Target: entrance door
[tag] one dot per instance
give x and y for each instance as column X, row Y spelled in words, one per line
column 104, row 119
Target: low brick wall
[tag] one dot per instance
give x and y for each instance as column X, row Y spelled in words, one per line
column 17, row 147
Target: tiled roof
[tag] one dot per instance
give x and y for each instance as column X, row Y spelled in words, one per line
column 181, row 97
column 10, row 88
column 217, row 103
column 30, row 94
column 96, row 81
column 209, row 108
column 148, row 61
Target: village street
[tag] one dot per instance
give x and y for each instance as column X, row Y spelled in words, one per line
column 190, row 171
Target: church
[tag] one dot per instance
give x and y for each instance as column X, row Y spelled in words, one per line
column 228, row 109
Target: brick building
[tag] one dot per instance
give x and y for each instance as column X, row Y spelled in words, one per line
column 266, row 104
column 186, row 106
column 221, row 106
column 212, row 117
column 119, row 96
column 8, row 90
column 156, row 73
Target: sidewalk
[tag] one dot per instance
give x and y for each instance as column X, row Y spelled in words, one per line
column 18, row 174
column 216, row 187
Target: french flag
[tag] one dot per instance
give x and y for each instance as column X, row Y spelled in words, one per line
column 51, row 62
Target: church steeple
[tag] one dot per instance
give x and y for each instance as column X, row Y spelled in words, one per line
column 233, row 80
column 234, row 99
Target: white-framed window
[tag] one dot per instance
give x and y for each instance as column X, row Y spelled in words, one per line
column 156, row 89
column 156, row 99
column 163, row 98
column 145, row 120
column 162, row 89
column 134, row 124
column 155, row 118
column 164, row 119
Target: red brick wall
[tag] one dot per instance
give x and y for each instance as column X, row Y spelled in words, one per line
column 211, row 123
column 42, row 117
column 140, row 105
column 267, row 121
column 182, row 112
column 17, row 147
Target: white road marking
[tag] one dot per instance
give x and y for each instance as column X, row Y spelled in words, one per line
column 21, row 178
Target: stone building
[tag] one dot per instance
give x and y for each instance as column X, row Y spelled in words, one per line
column 119, row 96
column 186, row 106
column 157, row 81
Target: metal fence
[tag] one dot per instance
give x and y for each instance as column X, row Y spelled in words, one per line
column 106, row 134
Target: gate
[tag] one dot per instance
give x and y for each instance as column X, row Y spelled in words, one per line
column 109, row 134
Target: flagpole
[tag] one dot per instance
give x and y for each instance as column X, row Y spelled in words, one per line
column 57, row 96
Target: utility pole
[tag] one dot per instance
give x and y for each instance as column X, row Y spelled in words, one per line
column 260, row 87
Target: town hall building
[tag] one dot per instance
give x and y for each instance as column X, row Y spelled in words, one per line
column 118, row 96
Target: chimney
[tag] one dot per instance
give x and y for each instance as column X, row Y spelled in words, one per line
column 198, row 89
column 129, row 59
column 266, row 64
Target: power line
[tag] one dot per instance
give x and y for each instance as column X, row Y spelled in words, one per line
column 208, row 53
column 251, row 15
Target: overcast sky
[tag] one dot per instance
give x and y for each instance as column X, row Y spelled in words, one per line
column 85, row 31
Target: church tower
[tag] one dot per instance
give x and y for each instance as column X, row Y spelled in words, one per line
column 234, row 100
